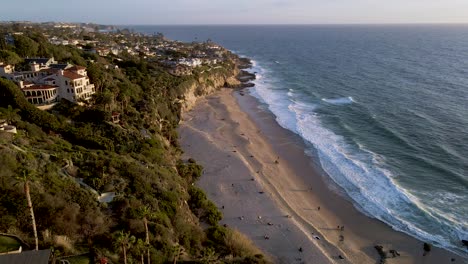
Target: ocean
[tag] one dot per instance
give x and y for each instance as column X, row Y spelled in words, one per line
column 384, row 107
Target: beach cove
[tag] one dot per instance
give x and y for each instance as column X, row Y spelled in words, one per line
column 266, row 186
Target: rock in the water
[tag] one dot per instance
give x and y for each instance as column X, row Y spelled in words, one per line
column 427, row 247
column 465, row 242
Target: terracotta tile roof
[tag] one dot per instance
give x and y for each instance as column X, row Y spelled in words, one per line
column 72, row 75
column 77, row 68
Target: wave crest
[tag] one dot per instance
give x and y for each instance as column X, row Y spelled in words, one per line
column 339, row 101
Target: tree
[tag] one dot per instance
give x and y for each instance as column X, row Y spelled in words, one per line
column 92, row 222
column 9, row 57
column 25, row 47
column 25, row 175
column 209, row 255
column 3, row 44
column 9, row 114
column 124, row 241
column 139, row 249
column 177, row 251
column 146, row 214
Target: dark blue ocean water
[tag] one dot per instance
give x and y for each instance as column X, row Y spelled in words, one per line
column 385, row 108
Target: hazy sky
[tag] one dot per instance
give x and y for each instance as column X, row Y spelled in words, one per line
column 237, row 11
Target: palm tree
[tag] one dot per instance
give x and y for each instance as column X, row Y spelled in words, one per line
column 139, row 249
column 177, row 251
column 124, row 241
column 146, row 213
column 27, row 175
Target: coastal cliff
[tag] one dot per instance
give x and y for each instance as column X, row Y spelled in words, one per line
column 208, row 83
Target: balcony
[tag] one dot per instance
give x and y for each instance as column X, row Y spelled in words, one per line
column 88, row 88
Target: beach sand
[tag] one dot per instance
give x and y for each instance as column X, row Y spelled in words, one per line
column 265, row 185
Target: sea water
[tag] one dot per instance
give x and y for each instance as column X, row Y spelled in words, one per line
column 385, row 108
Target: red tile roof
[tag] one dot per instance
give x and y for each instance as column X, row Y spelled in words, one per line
column 77, row 68
column 72, row 75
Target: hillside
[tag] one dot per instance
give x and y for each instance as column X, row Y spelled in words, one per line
column 73, row 160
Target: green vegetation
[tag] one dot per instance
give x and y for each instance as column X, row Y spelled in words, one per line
column 8, row 244
column 84, row 259
column 156, row 214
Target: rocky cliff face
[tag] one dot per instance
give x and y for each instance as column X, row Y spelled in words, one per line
column 207, row 84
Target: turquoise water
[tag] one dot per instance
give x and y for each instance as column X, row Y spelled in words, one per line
column 385, row 108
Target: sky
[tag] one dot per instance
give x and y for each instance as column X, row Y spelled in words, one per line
column 155, row 12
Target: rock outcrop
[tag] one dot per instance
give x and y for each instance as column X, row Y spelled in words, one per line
column 206, row 85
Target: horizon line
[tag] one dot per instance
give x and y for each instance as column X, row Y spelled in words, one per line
column 248, row 24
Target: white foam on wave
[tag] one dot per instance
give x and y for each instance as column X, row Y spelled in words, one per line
column 368, row 185
column 360, row 172
column 339, row 101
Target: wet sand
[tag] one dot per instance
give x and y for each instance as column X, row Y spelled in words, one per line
column 270, row 188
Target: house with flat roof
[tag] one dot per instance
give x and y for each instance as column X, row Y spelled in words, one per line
column 6, row 70
column 41, row 63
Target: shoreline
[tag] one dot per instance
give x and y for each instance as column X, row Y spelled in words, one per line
column 236, row 142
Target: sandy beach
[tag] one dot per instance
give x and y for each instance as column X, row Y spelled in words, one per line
column 268, row 188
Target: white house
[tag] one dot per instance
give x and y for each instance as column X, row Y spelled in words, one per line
column 40, row 94
column 74, row 84
column 193, row 62
column 49, row 82
column 6, row 70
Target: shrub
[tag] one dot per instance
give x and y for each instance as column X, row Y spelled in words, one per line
column 212, row 215
column 240, row 245
column 189, row 171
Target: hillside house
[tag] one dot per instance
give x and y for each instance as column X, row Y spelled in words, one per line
column 48, row 81
column 6, row 69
